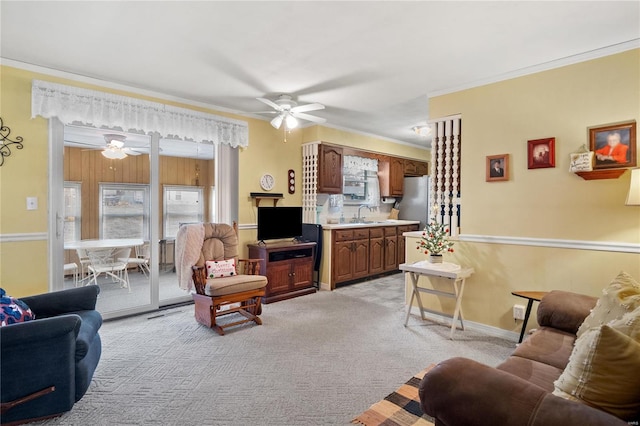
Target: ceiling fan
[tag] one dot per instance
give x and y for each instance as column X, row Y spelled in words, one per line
column 115, row 149
column 289, row 111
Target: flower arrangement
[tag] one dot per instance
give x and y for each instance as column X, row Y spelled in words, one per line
column 435, row 239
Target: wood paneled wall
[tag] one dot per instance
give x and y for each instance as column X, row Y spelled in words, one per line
column 91, row 168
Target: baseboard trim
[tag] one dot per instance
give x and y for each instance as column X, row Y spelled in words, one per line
column 471, row 325
column 325, row 286
column 26, row 236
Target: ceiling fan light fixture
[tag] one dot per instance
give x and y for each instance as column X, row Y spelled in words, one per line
column 291, row 122
column 424, row 130
column 113, row 154
column 277, row 122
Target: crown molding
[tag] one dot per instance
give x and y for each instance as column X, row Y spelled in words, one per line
column 545, row 66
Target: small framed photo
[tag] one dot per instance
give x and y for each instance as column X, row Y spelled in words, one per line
column 614, row 145
column 541, row 153
column 497, row 167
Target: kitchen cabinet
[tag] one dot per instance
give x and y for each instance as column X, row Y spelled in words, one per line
column 376, row 251
column 390, row 248
column 402, row 241
column 330, row 160
column 350, row 254
column 415, row 168
column 288, row 268
column 391, row 176
column 396, row 177
column 362, row 252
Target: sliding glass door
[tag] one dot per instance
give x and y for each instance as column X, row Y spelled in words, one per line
column 130, row 197
column 108, row 215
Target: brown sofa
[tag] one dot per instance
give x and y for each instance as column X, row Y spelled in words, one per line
column 460, row 391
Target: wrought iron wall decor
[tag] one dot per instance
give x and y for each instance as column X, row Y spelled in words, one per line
column 6, row 142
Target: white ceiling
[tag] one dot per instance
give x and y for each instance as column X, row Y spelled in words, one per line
column 372, row 64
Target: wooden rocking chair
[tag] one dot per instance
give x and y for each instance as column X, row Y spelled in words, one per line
column 241, row 293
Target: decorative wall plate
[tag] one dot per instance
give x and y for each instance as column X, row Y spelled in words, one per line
column 291, row 176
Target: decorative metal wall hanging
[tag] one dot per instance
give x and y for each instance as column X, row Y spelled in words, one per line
column 6, row 142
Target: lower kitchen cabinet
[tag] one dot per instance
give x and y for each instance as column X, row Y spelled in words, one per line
column 390, row 248
column 350, row 254
column 365, row 252
column 402, row 240
column 376, row 251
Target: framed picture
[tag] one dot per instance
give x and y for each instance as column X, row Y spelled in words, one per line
column 497, row 167
column 614, row 145
column 541, row 153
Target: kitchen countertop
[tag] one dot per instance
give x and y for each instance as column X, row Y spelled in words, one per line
column 369, row 224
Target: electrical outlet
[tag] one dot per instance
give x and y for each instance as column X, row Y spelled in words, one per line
column 518, row 312
column 32, row 203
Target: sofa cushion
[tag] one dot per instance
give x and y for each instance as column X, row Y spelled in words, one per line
column 622, row 295
column 548, row 346
column 13, row 310
column 235, row 284
column 565, row 310
column 537, row 373
column 603, row 368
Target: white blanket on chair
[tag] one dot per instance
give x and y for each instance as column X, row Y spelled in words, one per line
column 189, row 242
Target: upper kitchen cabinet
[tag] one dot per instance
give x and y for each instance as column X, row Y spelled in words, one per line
column 330, row 160
column 415, row 168
column 391, row 173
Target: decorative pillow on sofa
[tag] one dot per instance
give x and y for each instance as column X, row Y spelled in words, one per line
column 221, row 268
column 13, row 310
column 622, row 295
column 603, row 368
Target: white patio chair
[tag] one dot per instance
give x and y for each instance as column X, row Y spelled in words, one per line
column 141, row 261
column 73, row 268
column 108, row 261
column 84, row 260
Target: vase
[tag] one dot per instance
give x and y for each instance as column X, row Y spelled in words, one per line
column 435, row 258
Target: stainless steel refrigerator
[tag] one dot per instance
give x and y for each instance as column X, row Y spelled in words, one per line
column 415, row 201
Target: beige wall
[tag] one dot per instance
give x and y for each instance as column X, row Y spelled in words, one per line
column 550, row 204
column 364, row 142
column 23, row 264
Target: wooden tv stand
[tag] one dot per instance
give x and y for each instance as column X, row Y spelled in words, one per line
column 288, row 267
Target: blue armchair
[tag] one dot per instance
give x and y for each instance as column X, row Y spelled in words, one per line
column 47, row 364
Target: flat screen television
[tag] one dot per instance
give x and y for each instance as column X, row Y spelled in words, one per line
column 279, row 222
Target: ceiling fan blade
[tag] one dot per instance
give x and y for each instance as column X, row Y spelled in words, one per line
column 307, row 107
column 308, row 117
column 91, row 145
column 130, row 151
column 270, row 103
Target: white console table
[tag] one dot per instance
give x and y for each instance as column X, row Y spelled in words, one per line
column 455, row 274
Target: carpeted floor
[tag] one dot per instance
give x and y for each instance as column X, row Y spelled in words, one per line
column 320, row 359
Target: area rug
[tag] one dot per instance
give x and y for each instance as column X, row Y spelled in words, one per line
column 399, row 408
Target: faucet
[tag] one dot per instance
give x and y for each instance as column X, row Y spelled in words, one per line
column 361, row 219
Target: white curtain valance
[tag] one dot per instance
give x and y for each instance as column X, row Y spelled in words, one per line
column 73, row 104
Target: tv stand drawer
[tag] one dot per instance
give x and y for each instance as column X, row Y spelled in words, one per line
column 290, row 254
